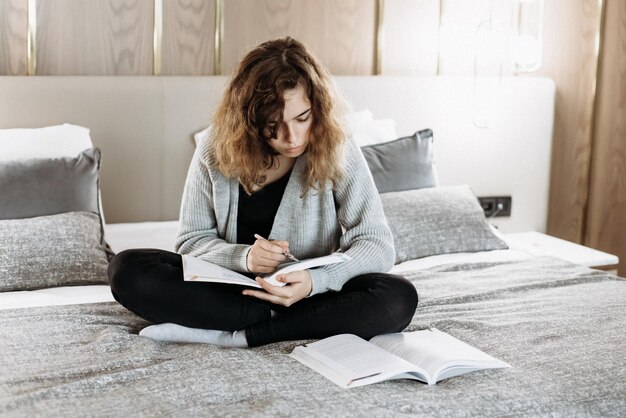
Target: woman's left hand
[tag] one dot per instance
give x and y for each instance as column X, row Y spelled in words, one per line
column 298, row 287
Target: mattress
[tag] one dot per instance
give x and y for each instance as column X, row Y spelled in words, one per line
column 162, row 235
column 558, row 324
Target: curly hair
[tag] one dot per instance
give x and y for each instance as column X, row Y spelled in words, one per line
column 239, row 146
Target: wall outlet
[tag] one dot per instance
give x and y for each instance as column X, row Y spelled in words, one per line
column 496, row 205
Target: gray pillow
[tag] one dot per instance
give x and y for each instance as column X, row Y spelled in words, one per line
column 48, row 251
column 402, row 164
column 47, row 186
column 437, row 220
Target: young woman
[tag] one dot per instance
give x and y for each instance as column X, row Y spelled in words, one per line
column 277, row 175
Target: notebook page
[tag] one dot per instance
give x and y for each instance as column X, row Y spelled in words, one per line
column 195, row 269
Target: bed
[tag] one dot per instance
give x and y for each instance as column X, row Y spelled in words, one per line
column 72, row 350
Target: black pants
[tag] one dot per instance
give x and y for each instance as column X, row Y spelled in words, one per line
column 150, row 284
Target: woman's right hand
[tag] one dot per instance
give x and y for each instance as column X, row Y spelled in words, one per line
column 265, row 255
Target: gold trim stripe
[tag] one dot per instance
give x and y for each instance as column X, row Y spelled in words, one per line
column 157, row 41
column 380, row 37
column 219, row 36
column 31, row 54
column 441, row 7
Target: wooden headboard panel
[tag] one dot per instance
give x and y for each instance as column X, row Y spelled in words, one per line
column 144, row 127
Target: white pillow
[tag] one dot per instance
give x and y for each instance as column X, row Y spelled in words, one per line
column 369, row 131
column 50, row 142
column 358, row 118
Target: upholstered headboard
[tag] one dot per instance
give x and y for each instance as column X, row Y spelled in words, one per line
column 144, row 127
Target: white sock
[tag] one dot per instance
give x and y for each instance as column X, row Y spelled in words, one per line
column 178, row 333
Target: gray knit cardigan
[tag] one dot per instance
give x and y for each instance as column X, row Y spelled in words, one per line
column 349, row 218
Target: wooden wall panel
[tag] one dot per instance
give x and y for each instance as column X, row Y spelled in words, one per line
column 341, row 33
column 569, row 57
column 94, row 37
column 606, row 216
column 13, row 37
column 411, row 32
column 188, row 37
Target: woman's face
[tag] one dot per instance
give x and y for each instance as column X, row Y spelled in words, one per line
column 292, row 137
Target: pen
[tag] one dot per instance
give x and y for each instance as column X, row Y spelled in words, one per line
column 285, row 252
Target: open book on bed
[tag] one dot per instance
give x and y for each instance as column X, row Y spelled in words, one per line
column 427, row 355
column 195, row 269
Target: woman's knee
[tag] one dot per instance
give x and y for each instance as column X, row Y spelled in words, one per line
column 396, row 298
column 391, row 298
column 118, row 269
column 125, row 267
column 399, row 298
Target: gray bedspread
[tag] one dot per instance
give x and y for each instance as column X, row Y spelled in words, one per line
column 561, row 326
